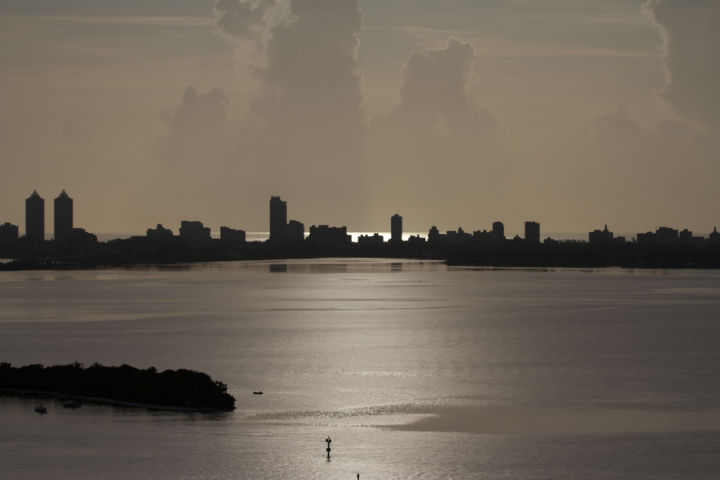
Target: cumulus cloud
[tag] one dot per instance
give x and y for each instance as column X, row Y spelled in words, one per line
column 670, row 162
column 308, row 68
column 617, row 122
column 436, row 142
column 692, row 43
column 305, row 131
column 197, row 144
column 311, row 86
column 198, row 114
column 241, row 18
column 434, row 97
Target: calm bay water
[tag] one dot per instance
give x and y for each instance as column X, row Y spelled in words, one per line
column 414, row 369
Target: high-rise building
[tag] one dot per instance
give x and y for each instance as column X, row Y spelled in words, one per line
column 532, row 232
column 63, row 216
column 35, row 217
column 498, row 231
column 396, row 229
column 278, row 219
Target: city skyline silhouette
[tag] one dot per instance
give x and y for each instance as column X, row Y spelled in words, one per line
column 344, row 239
column 594, row 114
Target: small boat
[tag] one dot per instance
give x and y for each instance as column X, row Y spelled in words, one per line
column 72, row 404
column 41, row 409
column 259, row 392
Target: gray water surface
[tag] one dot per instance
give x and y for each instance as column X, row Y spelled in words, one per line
column 416, row 370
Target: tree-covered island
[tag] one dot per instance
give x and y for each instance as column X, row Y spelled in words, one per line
column 171, row 389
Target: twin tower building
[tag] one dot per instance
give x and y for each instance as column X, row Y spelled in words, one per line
column 35, row 217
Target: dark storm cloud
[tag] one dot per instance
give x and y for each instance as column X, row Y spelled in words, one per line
column 692, row 43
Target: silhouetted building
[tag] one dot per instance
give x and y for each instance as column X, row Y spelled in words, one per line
column 415, row 241
column 714, row 237
column 278, row 219
column 687, row 239
column 80, row 238
column 63, row 213
column 457, row 238
column 396, row 229
column 645, row 239
column 295, row 232
column 325, row 236
column 9, row 234
column 367, row 241
column 602, row 237
column 231, row 235
column 532, row 232
column 483, row 236
column 159, row 232
column 434, row 235
column 194, row 231
column 498, row 230
column 666, row 236
column 35, row 217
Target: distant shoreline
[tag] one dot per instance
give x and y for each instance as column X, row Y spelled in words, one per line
column 461, row 251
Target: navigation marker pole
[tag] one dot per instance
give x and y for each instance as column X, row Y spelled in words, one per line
column 328, row 441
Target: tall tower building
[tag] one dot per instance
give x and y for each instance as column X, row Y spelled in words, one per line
column 278, row 219
column 63, row 216
column 532, row 232
column 396, row 229
column 35, row 217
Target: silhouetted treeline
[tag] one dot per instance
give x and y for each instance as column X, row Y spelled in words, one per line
column 170, row 388
column 584, row 255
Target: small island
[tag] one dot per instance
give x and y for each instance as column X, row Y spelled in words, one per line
column 181, row 389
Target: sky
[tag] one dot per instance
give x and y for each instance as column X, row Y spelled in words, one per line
column 572, row 113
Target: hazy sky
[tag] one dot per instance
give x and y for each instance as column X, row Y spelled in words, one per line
column 574, row 113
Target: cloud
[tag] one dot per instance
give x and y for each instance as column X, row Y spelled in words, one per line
column 435, row 103
column 305, row 131
column 616, row 122
column 197, row 145
column 310, row 81
column 692, row 43
column 436, row 143
column 198, row 114
column 241, row 18
column 309, row 84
